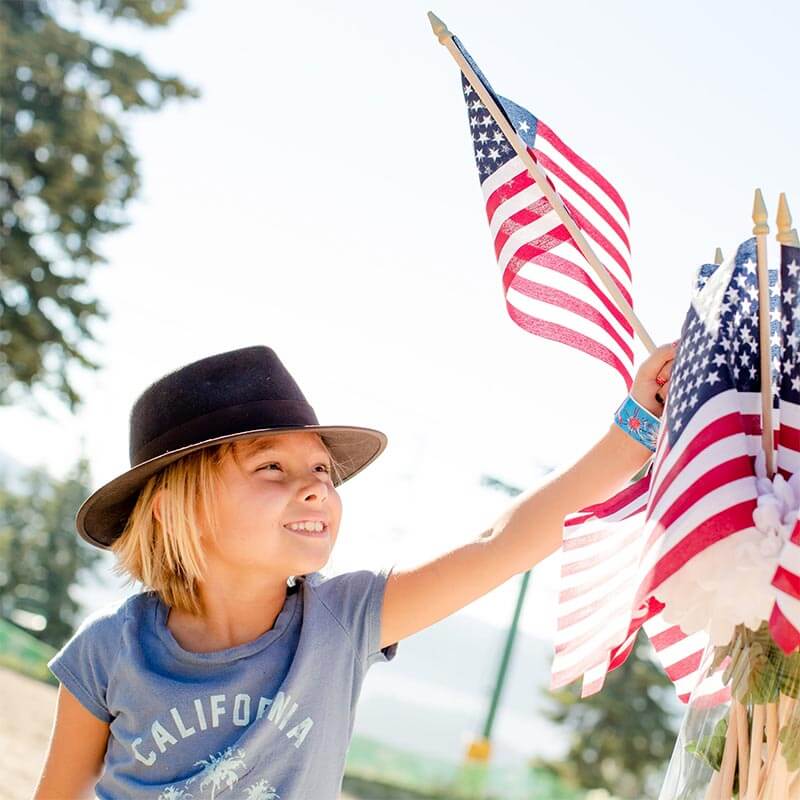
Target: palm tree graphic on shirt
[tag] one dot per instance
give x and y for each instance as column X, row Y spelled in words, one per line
column 261, row 790
column 219, row 769
column 173, row 793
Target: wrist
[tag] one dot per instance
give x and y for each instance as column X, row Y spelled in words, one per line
column 638, row 423
column 647, row 400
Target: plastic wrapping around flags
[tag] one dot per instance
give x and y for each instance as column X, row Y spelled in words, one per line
column 741, row 734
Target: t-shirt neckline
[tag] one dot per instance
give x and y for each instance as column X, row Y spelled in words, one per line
column 282, row 623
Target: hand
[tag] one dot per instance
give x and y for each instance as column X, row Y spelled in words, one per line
column 651, row 383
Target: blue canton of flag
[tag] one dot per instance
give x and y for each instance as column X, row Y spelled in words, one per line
column 785, row 617
column 789, row 378
column 719, row 347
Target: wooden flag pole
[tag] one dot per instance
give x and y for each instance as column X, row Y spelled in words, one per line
column 718, row 257
column 445, row 37
column 761, row 229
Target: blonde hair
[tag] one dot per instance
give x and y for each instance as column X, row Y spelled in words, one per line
column 167, row 555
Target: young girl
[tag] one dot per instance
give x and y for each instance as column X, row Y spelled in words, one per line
column 236, row 673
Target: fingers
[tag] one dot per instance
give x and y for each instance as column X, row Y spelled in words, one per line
column 664, row 374
column 650, row 387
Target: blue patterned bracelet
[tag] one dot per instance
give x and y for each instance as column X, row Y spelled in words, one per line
column 638, row 422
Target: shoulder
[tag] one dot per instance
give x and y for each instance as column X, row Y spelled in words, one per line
column 352, row 582
column 100, row 632
column 85, row 663
column 111, row 617
column 352, row 599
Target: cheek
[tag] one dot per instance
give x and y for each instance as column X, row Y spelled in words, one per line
column 253, row 508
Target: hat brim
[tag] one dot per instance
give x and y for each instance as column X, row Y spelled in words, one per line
column 103, row 515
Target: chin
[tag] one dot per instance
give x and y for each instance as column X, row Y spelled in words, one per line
column 304, row 566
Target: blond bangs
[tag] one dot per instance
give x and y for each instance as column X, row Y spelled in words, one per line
column 167, row 556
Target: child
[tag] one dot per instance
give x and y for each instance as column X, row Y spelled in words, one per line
column 236, row 673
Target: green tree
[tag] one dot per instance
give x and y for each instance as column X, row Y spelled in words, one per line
column 67, row 171
column 41, row 555
column 621, row 738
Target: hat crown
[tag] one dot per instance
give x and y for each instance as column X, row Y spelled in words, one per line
column 220, row 395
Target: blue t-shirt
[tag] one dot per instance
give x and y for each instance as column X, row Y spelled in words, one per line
column 270, row 719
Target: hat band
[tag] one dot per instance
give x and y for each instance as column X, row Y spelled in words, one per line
column 228, row 421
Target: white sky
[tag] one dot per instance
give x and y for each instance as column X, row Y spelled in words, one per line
column 321, row 198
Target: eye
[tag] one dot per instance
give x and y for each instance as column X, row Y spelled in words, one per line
column 271, row 464
column 325, row 468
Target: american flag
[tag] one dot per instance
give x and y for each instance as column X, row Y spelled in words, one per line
column 599, row 563
column 596, row 630
column 700, row 488
column 785, row 618
column 704, row 486
column 550, row 289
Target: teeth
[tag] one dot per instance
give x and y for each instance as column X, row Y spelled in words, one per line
column 318, row 527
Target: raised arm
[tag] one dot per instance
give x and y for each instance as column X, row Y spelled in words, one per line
column 528, row 531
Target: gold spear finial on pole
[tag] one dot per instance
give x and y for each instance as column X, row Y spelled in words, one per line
column 761, row 229
column 784, row 218
column 760, row 215
column 718, row 257
column 439, row 28
column 786, row 233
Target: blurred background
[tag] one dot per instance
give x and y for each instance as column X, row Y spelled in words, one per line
column 179, row 179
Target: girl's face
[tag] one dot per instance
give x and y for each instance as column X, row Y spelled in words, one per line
column 273, row 499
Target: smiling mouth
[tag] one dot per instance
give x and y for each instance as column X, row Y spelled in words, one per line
column 315, row 531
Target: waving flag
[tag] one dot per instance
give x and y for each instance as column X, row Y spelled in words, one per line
column 550, row 289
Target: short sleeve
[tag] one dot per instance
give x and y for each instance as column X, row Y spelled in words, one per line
column 84, row 664
column 356, row 600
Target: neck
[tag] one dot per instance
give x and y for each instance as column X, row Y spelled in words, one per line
column 239, row 608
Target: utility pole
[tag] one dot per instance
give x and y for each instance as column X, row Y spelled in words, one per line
column 479, row 750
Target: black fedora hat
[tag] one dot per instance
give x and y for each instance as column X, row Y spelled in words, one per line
column 235, row 395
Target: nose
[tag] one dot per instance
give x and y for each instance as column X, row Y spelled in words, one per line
column 315, row 489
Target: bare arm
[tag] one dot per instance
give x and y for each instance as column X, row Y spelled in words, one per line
column 75, row 756
column 527, row 532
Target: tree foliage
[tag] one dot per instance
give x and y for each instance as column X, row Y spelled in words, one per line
column 621, row 738
column 41, row 556
column 67, row 171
